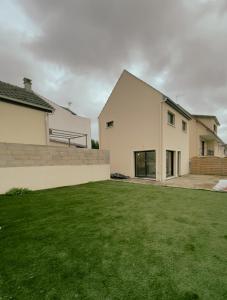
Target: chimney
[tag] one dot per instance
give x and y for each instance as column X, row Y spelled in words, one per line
column 27, row 84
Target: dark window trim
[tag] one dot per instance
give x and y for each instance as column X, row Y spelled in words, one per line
column 173, row 154
column 186, row 126
column 174, row 118
column 146, row 168
column 109, row 124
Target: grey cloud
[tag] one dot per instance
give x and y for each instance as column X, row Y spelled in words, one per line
column 93, row 40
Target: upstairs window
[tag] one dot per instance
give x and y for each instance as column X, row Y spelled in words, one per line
column 171, row 118
column 109, row 124
column 215, row 128
column 184, row 126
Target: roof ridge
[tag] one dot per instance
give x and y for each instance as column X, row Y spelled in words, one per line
column 183, row 110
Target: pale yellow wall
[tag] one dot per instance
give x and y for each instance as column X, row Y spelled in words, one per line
column 140, row 123
column 175, row 139
column 20, row 124
column 44, row 177
column 197, row 130
column 194, row 139
column 209, row 122
column 135, row 109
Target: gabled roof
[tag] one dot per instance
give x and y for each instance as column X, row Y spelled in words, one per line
column 166, row 99
column 16, row 94
column 207, row 117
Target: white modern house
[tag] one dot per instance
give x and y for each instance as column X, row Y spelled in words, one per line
column 66, row 127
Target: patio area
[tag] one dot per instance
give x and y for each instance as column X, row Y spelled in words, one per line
column 204, row 182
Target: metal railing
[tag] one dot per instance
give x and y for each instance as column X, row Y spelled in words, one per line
column 67, row 135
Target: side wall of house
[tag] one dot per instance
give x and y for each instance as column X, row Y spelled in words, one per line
column 175, row 139
column 20, row 124
column 135, row 109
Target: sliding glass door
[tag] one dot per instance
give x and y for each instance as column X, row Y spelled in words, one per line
column 145, row 164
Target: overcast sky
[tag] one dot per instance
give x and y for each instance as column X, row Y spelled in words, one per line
column 75, row 50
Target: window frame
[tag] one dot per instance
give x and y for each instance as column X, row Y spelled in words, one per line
column 174, row 118
column 110, row 124
column 184, row 123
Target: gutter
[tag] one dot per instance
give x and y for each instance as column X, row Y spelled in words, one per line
column 178, row 108
column 26, row 103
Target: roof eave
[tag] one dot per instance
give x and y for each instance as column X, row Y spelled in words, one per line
column 177, row 108
column 40, row 107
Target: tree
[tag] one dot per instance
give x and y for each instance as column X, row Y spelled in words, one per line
column 94, row 144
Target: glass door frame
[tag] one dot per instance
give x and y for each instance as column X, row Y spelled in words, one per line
column 172, row 163
column 146, row 167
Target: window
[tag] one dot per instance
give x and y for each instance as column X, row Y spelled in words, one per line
column 184, row 126
column 171, row 118
column 109, row 124
column 145, row 163
column 215, row 128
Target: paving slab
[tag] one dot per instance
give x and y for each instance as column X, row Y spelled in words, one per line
column 204, row 182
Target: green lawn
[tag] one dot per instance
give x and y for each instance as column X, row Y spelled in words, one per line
column 114, row 240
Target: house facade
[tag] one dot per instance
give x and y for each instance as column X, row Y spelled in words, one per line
column 23, row 115
column 204, row 139
column 149, row 135
column 28, row 118
column 64, row 120
column 146, row 133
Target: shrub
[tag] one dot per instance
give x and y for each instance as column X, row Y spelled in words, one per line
column 17, row 192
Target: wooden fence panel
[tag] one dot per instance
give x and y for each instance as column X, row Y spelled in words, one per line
column 209, row 165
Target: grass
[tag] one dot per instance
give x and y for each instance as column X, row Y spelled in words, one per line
column 114, row 240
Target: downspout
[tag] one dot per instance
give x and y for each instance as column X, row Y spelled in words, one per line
column 161, row 138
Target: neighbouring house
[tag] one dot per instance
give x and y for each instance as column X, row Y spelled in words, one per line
column 146, row 132
column 23, row 115
column 65, row 127
column 31, row 130
column 28, row 118
column 204, row 139
column 149, row 135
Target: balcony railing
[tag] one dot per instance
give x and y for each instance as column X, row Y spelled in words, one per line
column 207, row 152
column 210, row 152
column 67, row 135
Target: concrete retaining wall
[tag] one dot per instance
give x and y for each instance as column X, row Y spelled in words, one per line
column 209, row 165
column 40, row 167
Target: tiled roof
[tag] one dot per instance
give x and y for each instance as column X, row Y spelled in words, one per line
column 12, row 93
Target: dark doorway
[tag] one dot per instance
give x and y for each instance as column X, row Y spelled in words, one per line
column 202, row 148
column 169, row 163
column 145, row 164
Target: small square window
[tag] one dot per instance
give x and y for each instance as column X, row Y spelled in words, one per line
column 184, row 126
column 171, row 118
column 109, row 124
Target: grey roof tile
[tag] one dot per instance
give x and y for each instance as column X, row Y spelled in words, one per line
column 15, row 93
